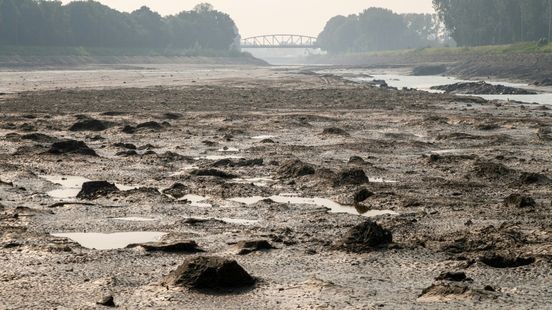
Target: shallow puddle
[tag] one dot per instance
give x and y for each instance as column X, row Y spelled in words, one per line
column 72, row 185
column 100, row 241
column 262, row 137
column 229, row 149
column 381, row 180
column 261, row 182
column 333, row 206
column 217, row 157
column 196, row 201
column 134, row 219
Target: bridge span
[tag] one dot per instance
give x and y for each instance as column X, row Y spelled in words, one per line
column 279, row 41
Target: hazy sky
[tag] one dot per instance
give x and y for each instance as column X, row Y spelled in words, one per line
column 255, row 17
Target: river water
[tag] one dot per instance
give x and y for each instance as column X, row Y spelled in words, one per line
column 400, row 80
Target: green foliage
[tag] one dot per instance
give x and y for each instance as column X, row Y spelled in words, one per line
column 380, row 29
column 91, row 24
column 485, row 22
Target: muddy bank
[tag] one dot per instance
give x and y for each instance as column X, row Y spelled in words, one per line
column 273, row 190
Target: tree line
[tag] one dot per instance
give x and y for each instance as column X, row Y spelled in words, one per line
column 381, row 29
column 488, row 22
column 92, row 24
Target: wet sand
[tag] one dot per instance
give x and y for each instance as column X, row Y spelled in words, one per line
column 441, row 169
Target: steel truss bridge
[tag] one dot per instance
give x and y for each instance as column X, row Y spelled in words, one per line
column 279, row 41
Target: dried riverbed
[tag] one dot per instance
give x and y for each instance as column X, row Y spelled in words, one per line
column 294, row 159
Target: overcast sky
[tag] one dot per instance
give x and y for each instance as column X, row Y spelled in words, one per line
column 255, row 17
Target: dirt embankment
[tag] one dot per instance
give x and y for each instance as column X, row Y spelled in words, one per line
column 530, row 67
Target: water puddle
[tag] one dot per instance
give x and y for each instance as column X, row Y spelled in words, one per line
column 333, row 206
column 217, row 157
column 71, row 185
column 100, row 241
column 261, row 182
column 196, row 201
column 262, row 137
column 381, row 180
column 134, row 219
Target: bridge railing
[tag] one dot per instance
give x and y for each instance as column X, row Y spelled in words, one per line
column 279, row 41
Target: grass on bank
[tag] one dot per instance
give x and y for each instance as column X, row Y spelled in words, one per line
column 517, row 48
column 45, row 51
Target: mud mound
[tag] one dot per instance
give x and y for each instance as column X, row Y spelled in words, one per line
column 446, row 292
column 351, row 177
column 177, row 190
column 150, row 125
column 123, row 145
column 249, row 246
column 39, row 137
column 533, row 178
column 213, row 173
column 545, row 133
column 209, row 273
column 89, row 125
column 361, row 195
column 482, row 88
column 95, row 189
column 335, row 131
column 356, row 160
column 71, row 147
column 519, row 201
column 365, row 237
column 187, row 246
column 295, row 169
column 492, row 170
column 506, row 261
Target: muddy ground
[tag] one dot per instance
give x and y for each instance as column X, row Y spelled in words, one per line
column 466, row 182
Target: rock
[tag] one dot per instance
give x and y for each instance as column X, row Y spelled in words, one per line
column 126, row 153
column 240, row 163
column 95, row 189
column 89, row 125
column 107, row 301
column 519, row 201
column 71, row 147
column 213, row 173
column 248, row 246
column 506, row 261
column 149, row 125
column 454, row 276
column 129, row 129
column 482, row 88
column 544, row 82
column 295, row 169
column 177, row 190
column 533, row 178
column 429, row 70
column 335, row 131
column 209, row 273
column 491, row 170
column 267, row 141
column 353, row 176
column 129, row 146
column 365, row 237
column 172, row 116
column 187, row 246
column 39, row 137
column 356, row 160
column 361, row 195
